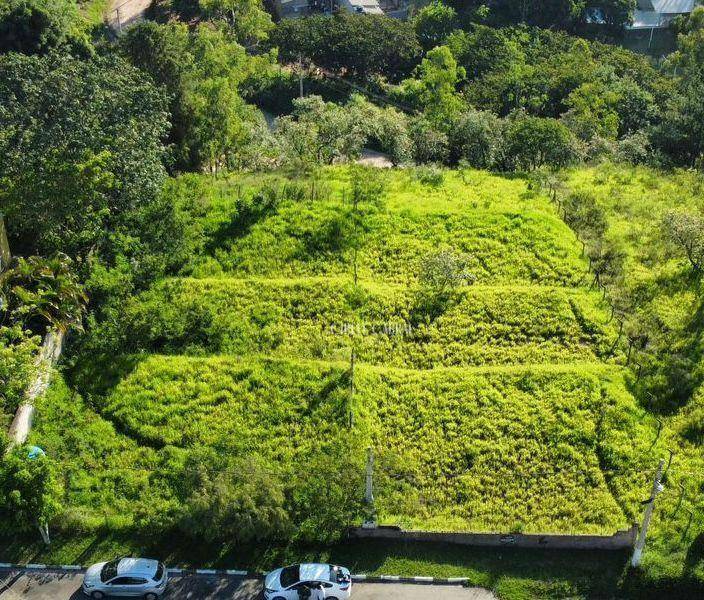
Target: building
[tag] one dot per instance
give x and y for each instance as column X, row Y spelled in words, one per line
column 292, row 9
column 366, row 7
column 658, row 14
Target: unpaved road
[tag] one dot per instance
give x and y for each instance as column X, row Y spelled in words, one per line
column 35, row 585
column 125, row 12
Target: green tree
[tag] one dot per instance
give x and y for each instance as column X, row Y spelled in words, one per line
column 39, row 26
column 247, row 19
column 584, row 214
column 681, row 132
column 433, row 23
column 593, row 111
column 482, row 49
column 532, row 142
column 30, row 495
column 81, row 154
column 385, row 129
column 434, row 86
column 684, row 229
column 476, row 138
column 318, row 132
column 355, row 45
column 203, row 70
column 430, row 144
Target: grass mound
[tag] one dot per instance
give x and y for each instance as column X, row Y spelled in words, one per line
column 325, row 318
column 465, row 449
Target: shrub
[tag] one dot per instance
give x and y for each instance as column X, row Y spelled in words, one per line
column 532, row 142
column 476, row 139
column 430, row 145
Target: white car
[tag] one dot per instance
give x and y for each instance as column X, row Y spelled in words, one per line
column 312, row 581
column 126, row 578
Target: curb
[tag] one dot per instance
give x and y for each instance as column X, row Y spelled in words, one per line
column 414, row 580
column 362, row 578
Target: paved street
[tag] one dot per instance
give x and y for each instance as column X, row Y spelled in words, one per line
column 30, row 585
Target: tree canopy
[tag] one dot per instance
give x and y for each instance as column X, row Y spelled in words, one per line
column 84, row 140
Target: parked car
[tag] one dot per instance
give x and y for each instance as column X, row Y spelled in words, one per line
column 126, row 578
column 313, row 580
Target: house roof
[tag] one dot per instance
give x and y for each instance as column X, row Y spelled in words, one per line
column 670, row 7
column 645, row 19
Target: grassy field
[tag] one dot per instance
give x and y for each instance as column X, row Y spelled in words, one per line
column 663, row 311
column 324, row 317
column 510, row 410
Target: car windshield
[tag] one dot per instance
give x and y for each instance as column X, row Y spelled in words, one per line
column 290, row 575
column 159, row 572
column 109, row 570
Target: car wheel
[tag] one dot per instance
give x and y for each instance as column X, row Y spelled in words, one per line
column 97, row 595
column 150, row 596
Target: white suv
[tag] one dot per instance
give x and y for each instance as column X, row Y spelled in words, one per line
column 312, row 581
column 126, row 578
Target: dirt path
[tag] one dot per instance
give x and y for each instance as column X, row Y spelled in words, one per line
column 123, row 13
column 372, row 158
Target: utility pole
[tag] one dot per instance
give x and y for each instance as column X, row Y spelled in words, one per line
column 300, row 76
column 352, row 389
column 119, row 21
column 650, row 505
column 369, row 488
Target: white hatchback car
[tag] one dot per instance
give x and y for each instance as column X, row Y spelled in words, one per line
column 126, row 578
column 312, row 581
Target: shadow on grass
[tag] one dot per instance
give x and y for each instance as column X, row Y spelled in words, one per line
column 512, row 573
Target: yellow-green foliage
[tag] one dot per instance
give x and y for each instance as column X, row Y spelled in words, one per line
column 666, row 312
column 326, row 317
column 481, row 449
column 512, row 238
column 505, row 409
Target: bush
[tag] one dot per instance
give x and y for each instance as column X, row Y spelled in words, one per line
column 533, row 142
column 430, row 145
column 476, row 139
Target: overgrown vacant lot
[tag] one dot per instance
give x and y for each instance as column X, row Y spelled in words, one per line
column 319, row 317
column 505, row 410
column 483, row 449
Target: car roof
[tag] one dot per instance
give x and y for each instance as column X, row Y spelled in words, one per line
column 144, row 567
column 314, row 572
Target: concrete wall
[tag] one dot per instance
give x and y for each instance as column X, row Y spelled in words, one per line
column 4, row 247
column 617, row 541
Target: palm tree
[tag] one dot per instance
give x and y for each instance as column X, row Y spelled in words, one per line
column 39, row 292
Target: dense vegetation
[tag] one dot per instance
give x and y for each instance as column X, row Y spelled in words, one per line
column 172, row 405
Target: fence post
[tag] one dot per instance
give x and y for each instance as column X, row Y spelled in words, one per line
column 650, row 505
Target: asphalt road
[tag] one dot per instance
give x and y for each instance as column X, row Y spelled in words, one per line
column 35, row 585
